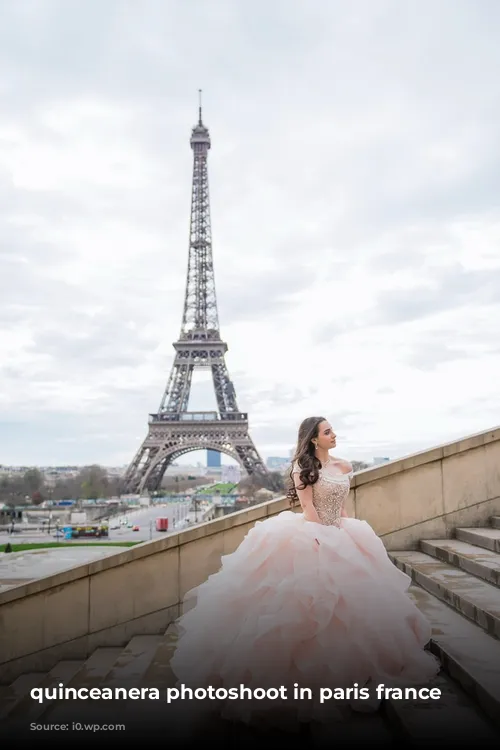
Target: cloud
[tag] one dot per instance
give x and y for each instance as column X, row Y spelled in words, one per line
column 354, row 184
column 450, row 288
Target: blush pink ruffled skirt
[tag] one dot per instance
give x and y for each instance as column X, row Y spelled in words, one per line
column 307, row 604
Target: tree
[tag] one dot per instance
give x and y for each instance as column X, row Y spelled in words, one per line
column 250, row 484
column 94, row 482
column 13, row 490
column 37, row 498
column 33, row 481
column 275, row 482
column 359, row 465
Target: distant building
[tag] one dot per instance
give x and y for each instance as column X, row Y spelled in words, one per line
column 276, row 463
column 213, row 459
column 380, row 460
column 184, row 470
column 10, row 514
column 231, row 473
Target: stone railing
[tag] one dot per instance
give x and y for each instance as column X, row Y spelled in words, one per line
column 429, row 494
column 140, row 590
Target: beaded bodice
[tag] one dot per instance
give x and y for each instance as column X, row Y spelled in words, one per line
column 329, row 494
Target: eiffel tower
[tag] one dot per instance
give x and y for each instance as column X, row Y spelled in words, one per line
column 173, row 430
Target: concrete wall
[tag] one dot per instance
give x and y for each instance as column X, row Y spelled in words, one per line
column 140, row 591
column 429, row 494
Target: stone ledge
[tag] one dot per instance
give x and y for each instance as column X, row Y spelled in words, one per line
column 145, row 549
column 81, row 647
column 439, row 527
column 243, row 517
column 425, row 457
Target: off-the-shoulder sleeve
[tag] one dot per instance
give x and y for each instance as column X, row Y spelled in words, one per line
column 349, row 466
column 296, row 468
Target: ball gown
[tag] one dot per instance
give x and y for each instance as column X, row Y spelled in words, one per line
column 306, row 604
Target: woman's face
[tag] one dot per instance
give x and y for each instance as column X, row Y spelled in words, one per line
column 326, row 439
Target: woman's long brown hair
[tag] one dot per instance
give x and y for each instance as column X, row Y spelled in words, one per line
column 304, row 455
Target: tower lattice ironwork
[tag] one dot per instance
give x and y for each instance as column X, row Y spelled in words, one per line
column 174, row 430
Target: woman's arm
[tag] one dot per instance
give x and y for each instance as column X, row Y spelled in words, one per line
column 306, row 500
column 347, row 468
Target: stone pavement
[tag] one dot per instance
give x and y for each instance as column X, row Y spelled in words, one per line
column 20, row 567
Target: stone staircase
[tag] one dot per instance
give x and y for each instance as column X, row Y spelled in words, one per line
column 456, row 583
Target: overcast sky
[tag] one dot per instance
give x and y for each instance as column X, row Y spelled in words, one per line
column 355, row 192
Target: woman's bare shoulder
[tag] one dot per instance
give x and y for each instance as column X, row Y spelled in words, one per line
column 344, row 465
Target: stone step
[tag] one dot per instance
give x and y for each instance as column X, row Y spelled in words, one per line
column 133, row 662
column 474, row 560
column 126, row 671
column 92, row 673
column 471, row 658
column 159, row 674
column 476, row 599
column 495, row 522
column 468, row 654
column 451, row 717
column 28, row 709
column 419, row 722
column 487, row 538
column 17, row 691
column 370, row 730
column 354, row 731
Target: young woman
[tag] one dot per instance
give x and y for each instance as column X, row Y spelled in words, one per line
column 308, row 599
